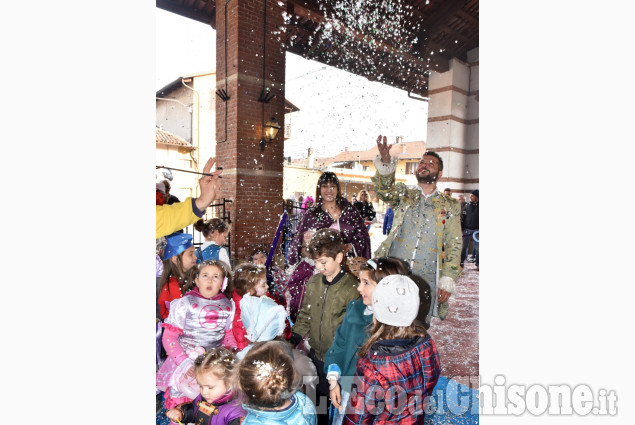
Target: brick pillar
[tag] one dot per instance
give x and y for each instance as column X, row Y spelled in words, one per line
column 251, row 178
column 453, row 123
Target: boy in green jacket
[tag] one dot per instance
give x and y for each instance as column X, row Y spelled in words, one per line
column 325, row 299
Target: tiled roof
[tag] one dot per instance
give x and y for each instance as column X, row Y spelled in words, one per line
column 408, row 150
column 168, row 138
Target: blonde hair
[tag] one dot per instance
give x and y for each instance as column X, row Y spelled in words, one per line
column 219, row 361
column 267, row 376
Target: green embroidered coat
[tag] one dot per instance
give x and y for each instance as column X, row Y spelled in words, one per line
column 448, row 222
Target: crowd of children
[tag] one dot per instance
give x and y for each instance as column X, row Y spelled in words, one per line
column 231, row 354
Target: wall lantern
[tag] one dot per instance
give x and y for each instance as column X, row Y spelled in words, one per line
column 270, row 128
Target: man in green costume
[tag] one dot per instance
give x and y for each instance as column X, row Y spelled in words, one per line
column 426, row 230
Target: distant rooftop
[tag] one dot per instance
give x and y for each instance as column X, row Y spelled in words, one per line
column 406, row 150
column 167, row 138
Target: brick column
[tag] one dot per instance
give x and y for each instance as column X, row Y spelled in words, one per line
column 252, row 179
column 453, row 123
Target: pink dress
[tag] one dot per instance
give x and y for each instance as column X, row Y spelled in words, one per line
column 194, row 324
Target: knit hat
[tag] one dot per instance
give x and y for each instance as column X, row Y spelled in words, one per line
column 475, row 192
column 176, row 244
column 396, row 300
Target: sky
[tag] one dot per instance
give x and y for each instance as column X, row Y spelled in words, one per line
column 337, row 109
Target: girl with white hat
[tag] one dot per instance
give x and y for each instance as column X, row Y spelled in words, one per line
column 399, row 364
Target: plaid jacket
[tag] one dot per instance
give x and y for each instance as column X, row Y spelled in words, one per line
column 392, row 382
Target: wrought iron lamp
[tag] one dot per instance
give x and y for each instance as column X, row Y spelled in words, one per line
column 270, row 131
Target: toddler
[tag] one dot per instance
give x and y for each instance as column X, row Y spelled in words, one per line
column 218, row 403
column 249, row 281
column 270, row 385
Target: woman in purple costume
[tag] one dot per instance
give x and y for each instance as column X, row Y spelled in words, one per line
column 330, row 210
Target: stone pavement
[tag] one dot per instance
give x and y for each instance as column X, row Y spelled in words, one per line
column 456, row 337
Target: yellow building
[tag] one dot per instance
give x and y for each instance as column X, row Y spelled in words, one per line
column 353, row 169
column 186, row 128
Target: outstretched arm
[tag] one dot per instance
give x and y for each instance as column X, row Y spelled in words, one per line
column 170, row 218
column 386, row 188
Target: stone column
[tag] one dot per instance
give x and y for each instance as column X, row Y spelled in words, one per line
column 453, row 123
column 249, row 59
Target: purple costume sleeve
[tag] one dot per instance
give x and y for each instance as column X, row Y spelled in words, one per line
column 356, row 232
column 308, row 221
column 353, row 229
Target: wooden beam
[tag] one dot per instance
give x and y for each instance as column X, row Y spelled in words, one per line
column 456, row 34
column 470, row 19
column 186, row 12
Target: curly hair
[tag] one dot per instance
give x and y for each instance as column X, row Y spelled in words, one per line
column 246, row 277
column 219, row 361
column 267, row 375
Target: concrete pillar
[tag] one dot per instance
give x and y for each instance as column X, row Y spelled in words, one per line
column 453, row 123
column 249, row 59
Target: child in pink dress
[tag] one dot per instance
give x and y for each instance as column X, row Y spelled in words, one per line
column 200, row 320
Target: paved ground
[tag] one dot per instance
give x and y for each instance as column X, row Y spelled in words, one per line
column 457, row 336
column 456, row 393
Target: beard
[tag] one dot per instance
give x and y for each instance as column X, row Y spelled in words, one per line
column 427, row 178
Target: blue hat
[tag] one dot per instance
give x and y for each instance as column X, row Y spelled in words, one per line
column 177, row 244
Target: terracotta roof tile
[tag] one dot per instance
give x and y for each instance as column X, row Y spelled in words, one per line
column 168, row 138
column 407, row 150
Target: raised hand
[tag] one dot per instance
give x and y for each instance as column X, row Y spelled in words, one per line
column 384, row 148
column 209, row 185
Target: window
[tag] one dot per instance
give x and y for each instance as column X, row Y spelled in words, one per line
column 411, row 167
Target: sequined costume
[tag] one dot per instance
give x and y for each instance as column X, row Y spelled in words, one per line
column 426, row 232
column 194, row 321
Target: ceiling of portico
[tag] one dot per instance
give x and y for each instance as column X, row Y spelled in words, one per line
column 395, row 42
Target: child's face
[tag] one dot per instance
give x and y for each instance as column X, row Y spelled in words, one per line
column 328, row 266
column 212, row 387
column 209, row 281
column 219, row 238
column 260, row 259
column 261, row 287
column 366, row 287
column 188, row 259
